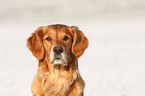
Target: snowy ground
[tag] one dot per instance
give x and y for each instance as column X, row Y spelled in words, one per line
column 113, row 65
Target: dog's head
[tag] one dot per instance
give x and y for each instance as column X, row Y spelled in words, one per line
column 58, row 43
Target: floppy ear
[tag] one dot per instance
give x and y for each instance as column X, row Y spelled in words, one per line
column 34, row 43
column 80, row 42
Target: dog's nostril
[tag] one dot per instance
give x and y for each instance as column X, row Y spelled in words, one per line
column 60, row 50
column 57, row 49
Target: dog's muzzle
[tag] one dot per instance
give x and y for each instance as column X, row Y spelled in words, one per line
column 58, row 56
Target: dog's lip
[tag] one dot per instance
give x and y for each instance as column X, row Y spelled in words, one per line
column 58, row 64
column 57, row 58
column 63, row 64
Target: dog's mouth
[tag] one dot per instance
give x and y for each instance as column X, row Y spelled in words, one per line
column 58, row 60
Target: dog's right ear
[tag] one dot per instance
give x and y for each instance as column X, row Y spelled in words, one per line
column 80, row 42
column 34, row 43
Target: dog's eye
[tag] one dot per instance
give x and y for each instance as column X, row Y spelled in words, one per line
column 66, row 38
column 48, row 38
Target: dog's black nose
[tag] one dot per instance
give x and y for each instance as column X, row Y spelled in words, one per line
column 57, row 50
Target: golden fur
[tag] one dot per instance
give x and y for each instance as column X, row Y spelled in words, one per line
column 57, row 80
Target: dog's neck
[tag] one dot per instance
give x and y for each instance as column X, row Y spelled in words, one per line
column 57, row 76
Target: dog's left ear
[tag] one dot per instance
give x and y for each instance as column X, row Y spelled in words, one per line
column 35, row 44
column 80, row 42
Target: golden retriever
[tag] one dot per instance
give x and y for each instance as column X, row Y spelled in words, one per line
column 57, row 47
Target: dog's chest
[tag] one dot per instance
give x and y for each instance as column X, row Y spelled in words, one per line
column 58, row 83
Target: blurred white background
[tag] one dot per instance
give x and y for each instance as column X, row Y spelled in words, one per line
column 114, row 63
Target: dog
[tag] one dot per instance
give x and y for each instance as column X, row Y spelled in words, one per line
column 57, row 48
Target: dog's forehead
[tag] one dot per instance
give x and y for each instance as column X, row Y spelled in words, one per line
column 56, row 29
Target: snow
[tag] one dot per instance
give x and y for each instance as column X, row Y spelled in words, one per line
column 115, row 59
column 113, row 64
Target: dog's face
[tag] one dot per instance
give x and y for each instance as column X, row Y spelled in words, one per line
column 58, row 43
